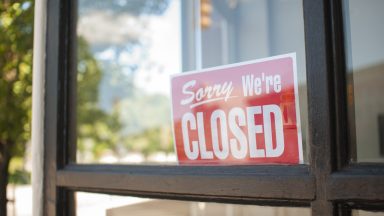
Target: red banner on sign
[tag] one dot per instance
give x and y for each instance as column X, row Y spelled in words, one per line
column 246, row 113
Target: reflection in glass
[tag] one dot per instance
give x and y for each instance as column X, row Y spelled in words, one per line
column 128, row 49
column 246, row 30
column 366, row 213
column 364, row 34
column 126, row 52
column 102, row 204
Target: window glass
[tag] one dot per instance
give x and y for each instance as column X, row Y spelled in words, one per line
column 366, row 213
column 128, row 49
column 126, row 52
column 364, row 42
column 102, row 204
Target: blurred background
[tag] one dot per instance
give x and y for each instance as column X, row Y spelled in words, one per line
column 16, row 42
column 126, row 51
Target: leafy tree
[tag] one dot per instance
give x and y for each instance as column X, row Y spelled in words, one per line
column 16, row 33
column 16, row 42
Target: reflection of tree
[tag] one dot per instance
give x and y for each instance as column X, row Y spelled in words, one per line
column 135, row 7
column 112, row 111
column 120, row 36
column 147, row 125
column 97, row 130
column 151, row 140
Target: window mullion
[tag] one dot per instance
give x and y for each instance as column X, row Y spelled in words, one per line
column 319, row 79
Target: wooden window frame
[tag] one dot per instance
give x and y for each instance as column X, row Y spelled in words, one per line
column 329, row 185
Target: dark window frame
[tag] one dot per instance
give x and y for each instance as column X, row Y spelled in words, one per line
column 329, row 185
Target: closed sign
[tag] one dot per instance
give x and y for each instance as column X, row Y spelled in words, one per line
column 246, row 113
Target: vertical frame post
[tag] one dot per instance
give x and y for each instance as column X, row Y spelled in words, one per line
column 57, row 201
column 320, row 97
column 38, row 106
column 50, row 107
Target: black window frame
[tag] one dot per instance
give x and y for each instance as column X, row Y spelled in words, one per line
column 329, row 185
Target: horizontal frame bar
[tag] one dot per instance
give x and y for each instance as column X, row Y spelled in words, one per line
column 357, row 183
column 234, row 183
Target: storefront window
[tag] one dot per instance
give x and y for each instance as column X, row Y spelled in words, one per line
column 364, row 34
column 120, row 105
column 127, row 51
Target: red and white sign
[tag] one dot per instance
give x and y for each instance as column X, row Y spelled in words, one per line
column 246, row 113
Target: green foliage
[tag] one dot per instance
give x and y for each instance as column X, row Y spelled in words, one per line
column 17, row 173
column 146, row 127
column 20, row 177
column 16, row 39
column 96, row 130
column 147, row 123
column 99, row 131
column 151, row 140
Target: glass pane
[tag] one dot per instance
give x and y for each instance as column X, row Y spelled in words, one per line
column 102, row 204
column 128, row 49
column 126, row 53
column 366, row 213
column 245, row 30
column 364, row 34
